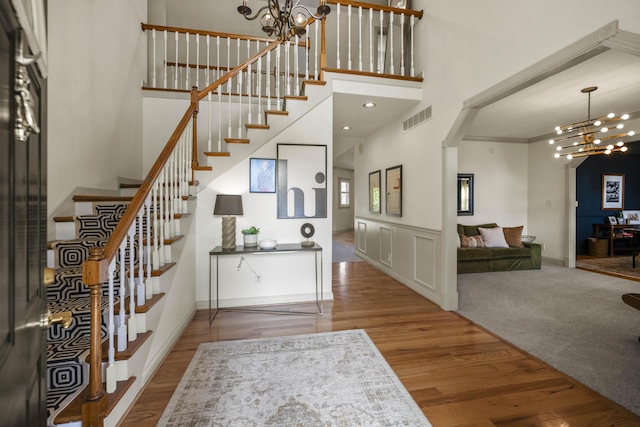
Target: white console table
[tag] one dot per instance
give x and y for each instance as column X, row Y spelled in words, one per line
column 214, row 284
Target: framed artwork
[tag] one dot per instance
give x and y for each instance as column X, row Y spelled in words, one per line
column 393, row 187
column 612, row 220
column 465, row 194
column 400, row 4
column 622, row 221
column 301, row 173
column 262, row 175
column 374, row 191
column 612, row 192
column 632, row 217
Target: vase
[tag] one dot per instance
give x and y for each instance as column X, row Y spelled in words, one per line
column 250, row 240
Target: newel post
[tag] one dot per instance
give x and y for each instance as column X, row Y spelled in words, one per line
column 194, row 153
column 93, row 409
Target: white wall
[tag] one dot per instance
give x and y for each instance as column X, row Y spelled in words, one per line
column 293, row 280
column 500, row 182
column 342, row 217
column 94, row 101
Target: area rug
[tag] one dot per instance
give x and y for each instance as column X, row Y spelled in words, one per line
column 326, row 379
column 619, row 266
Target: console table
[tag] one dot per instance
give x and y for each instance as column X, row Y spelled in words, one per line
column 610, row 230
column 284, row 248
column 635, row 231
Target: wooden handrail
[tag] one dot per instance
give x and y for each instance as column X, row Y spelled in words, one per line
column 203, row 32
column 417, row 13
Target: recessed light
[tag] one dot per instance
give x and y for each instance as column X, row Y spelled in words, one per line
column 346, row 127
column 369, row 105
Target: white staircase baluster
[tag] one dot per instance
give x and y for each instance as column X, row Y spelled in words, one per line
column 175, row 82
column 296, row 60
column 161, row 216
column 165, row 59
column 131, row 323
column 122, row 315
column 217, row 74
column 306, row 54
column 278, row 105
column 371, row 40
column 360, row 38
column 210, row 124
column 381, row 59
column 208, row 74
column 349, row 37
column 172, row 200
column 149, row 279
column 287, row 67
column 316, row 56
column 110, row 371
column 402, row 45
column 338, row 37
column 141, row 291
column 412, row 23
column 187, row 65
column 391, row 58
column 229, row 107
column 197, row 61
column 268, row 78
column 156, row 230
column 259, row 83
column 239, row 91
column 153, row 37
column 249, row 81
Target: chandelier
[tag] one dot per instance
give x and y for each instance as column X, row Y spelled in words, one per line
column 284, row 20
column 590, row 137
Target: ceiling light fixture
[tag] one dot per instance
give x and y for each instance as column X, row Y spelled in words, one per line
column 585, row 137
column 284, row 20
column 369, row 105
column 346, row 127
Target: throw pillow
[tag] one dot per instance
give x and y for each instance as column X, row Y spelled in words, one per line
column 470, row 241
column 513, row 236
column 493, row 237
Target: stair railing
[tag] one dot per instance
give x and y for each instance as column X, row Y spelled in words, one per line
column 137, row 246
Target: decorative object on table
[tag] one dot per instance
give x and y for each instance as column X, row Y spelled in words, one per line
column 286, row 20
column 302, row 181
column 262, row 175
column 307, row 230
column 587, row 138
column 393, row 187
column 527, row 239
column 374, row 191
column 329, row 378
column 228, row 205
column 268, row 244
column 612, row 192
column 250, row 236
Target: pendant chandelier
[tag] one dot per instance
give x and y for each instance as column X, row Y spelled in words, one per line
column 284, row 20
column 590, row 137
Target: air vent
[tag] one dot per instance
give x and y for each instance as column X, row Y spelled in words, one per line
column 414, row 121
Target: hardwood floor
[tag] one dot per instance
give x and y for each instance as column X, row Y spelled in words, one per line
column 458, row 373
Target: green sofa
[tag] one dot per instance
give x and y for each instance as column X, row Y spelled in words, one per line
column 480, row 260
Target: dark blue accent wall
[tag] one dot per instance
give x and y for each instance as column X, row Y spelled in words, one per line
column 589, row 191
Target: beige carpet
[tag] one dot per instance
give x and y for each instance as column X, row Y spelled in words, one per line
column 618, row 266
column 325, row 379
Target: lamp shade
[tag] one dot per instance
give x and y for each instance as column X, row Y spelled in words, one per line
column 228, row 204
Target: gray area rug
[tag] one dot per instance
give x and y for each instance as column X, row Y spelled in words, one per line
column 326, row 379
column 574, row 320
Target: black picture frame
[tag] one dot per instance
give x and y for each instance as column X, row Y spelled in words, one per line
column 393, row 189
column 465, row 194
column 262, row 175
column 375, row 191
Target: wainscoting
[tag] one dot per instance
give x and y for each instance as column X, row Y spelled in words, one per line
column 410, row 255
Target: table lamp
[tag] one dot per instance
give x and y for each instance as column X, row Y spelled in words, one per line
column 228, row 205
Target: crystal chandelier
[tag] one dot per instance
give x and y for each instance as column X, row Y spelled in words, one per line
column 590, row 137
column 284, row 20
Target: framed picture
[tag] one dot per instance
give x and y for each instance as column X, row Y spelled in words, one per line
column 301, row 172
column 374, row 191
column 612, row 220
column 400, row 4
column 632, row 217
column 465, row 194
column 262, row 175
column 393, row 186
column 612, row 192
column 622, row 221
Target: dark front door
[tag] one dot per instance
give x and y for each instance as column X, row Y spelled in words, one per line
column 22, row 231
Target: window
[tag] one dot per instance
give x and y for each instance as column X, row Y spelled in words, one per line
column 345, row 192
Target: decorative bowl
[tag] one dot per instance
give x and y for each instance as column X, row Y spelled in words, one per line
column 527, row 239
column 268, row 244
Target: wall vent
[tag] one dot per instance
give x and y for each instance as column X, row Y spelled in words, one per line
column 420, row 117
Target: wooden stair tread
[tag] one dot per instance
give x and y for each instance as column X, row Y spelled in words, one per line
column 148, row 304
column 314, row 82
column 130, row 185
column 296, row 97
column 167, row 240
column 202, row 168
column 73, row 411
column 236, row 140
column 217, row 153
column 162, row 270
column 132, row 347
column 89, row 198
column 256, row 126
column 277, row 112
column 63, row 219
